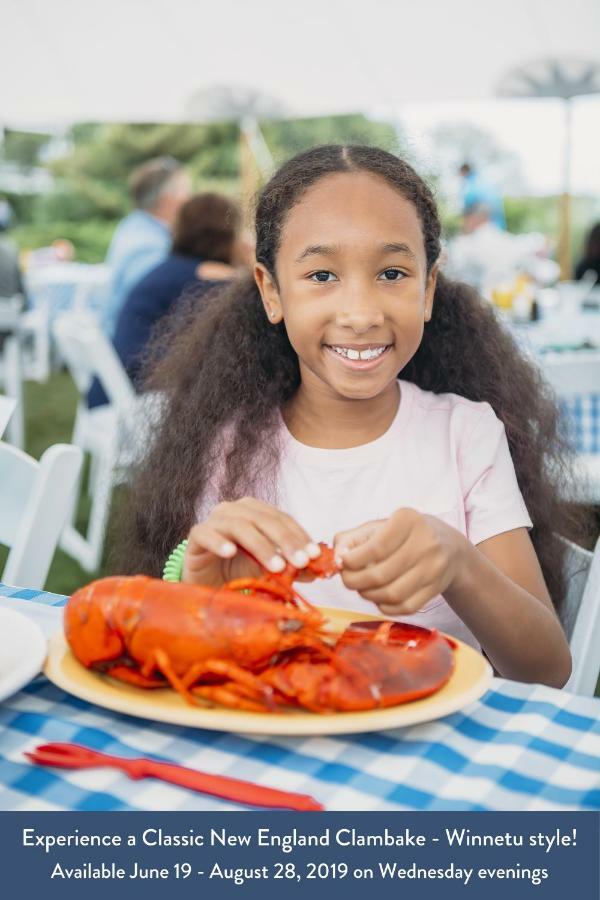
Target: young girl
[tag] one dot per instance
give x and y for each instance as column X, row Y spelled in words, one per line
column 288, row 423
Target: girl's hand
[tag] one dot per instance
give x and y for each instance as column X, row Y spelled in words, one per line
column 213, row 556
column 401, row 563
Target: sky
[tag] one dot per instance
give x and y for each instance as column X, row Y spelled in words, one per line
column 533, row 129
column 425, row 62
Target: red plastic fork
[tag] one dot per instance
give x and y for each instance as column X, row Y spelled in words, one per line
column 74, row 756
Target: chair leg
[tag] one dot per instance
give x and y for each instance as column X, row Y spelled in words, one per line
column 94, row 474
column 77, row 439
column 13, row 385
column 101, row 498
column 87, row 549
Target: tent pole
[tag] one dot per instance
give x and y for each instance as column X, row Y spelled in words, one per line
column 249, row 175
column 564, row 240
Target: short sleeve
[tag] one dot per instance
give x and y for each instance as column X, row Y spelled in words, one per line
column 492, row 500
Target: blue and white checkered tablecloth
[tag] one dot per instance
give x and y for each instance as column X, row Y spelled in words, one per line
column 557, row 334
column 581, row 418
column 521, row 747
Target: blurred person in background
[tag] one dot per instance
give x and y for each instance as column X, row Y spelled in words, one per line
column 475, row 191
column 61, row 250
column 591, row 254
column 142, row 239
column 11, row 282
column 207, row 248
column 486, row 256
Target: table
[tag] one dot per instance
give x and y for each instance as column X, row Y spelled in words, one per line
column 558, row 332
column 520, row 747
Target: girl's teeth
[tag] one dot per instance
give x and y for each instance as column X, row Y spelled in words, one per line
column 349, row 353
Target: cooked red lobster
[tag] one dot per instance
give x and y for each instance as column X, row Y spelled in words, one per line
column 253, row 644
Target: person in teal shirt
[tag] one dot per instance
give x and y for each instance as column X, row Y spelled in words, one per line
column 142, row 239
column 476, row 192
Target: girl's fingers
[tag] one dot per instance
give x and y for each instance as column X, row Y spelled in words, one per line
column 408, row 607
column 381, row 542
column 264, row 532
column 354, row 537
column 285, row 535
column 380, row 574
column 298, row 549
column 405, row 595
column 254, row 541
column 203, row 538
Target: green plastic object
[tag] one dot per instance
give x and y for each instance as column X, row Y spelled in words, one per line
column 174, row 565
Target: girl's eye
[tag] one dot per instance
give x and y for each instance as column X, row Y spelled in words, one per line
column 322, row 276
column 392, row 275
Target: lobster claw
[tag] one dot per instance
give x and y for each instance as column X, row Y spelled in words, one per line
column 393, row 633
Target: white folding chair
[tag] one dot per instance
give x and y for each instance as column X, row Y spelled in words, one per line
column 7, row 407
column 35, row 343
column 571, row 375
column 580, row 617
column 35, row 499
column 88, row 354
column 11, row 369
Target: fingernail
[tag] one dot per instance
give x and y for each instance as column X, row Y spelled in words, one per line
column 300, row 559
column 338, row 560
column 228, row 549
column 276, row 563
column 313, row 550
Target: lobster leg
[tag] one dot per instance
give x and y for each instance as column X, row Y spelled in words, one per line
column 134, row 676
column 229, row 670
column 228, row 695
column 213, row 667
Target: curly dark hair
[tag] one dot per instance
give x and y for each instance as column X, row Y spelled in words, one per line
column 592, row 243
column 225, row 365
column 206, row 227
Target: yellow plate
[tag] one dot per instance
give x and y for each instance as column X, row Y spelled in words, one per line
column 471, row 678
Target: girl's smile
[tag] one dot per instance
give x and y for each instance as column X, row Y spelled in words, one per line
column 358, row 357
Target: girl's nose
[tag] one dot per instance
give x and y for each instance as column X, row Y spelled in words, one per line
column 360, row 317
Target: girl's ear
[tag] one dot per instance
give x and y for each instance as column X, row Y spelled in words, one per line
column 430, row 290
column 269, row 293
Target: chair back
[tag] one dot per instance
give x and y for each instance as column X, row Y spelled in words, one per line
column 88, row 353
column 11, row 367
column 572, row 374
column 10, row 312
column 7, row 405
column 35, row 499
column 580, row 617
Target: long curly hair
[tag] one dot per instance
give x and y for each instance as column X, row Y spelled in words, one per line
column 224, row 367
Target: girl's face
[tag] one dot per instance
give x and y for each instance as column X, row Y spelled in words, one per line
column 352, row 284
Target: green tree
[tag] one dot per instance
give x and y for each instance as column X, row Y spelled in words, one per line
column 287, row 137
column 90, row 180
column 22, row 147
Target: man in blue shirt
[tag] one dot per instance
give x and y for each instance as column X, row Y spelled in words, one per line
column 142, row 239
column 476, row 192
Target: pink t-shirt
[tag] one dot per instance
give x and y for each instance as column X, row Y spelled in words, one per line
column 442, row 455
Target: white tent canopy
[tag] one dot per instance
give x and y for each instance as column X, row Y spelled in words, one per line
column 141, row 60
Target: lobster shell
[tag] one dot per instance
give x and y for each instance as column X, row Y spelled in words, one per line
column 254, row 643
